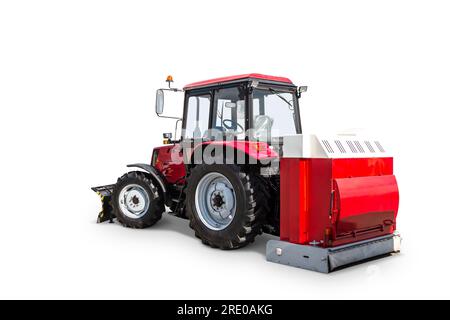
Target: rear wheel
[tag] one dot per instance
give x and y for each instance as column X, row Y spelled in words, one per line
column 224, row 206
column 136, row 201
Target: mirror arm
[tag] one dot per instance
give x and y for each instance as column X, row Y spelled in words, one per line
column 176, row 128
column 168, row 117
column 172, row 89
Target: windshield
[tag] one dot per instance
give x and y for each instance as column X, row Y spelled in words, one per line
column 273, row 114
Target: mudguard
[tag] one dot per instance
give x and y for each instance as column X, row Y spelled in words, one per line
column 157, row 178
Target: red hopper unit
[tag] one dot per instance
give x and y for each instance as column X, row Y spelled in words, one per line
column 338, row 202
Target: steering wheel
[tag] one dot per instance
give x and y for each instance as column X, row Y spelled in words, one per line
column 231, row 125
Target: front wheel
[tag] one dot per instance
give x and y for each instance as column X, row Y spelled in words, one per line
column 136, row 201
column 224, row 205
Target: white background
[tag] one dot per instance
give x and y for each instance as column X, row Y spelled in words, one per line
column 77, row 83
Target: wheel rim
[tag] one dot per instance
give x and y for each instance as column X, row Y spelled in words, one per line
column 134, row 201
column 215, row 201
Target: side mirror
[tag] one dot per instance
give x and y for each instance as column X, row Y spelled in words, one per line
column 159, row 106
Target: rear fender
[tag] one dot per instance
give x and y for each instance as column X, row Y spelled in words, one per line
column 248, row 152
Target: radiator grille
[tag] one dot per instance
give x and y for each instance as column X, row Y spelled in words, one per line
column 340, row 146
column 369, row 146
column 337, row 146
column 358, row 145
column 379, row 146
column 328, row 146
column 352, row 146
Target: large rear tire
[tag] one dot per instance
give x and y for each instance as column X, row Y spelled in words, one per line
column 136, row 202
column 225, row 207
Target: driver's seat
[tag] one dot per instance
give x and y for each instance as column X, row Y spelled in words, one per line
column 262, row 128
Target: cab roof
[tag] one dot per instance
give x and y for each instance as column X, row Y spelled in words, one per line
column 248, row 76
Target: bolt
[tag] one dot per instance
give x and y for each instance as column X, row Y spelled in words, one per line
column 135, row 200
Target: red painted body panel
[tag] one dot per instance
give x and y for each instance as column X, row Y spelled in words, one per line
column 366, row 202
column 361, row 167
column 305, row 192
column 169, row 163
column 237, row 77
column 366, row 194
column 355, row 199
column 254, row 149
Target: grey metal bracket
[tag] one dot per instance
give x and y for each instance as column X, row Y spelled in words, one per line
column 325, row 260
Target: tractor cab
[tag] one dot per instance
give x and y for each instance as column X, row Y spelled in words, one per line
column 252, row 107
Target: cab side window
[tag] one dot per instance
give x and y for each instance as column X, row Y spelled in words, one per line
column 197, row 116
column 229, row 114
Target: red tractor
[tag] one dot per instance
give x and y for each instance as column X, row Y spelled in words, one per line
column 242, row 167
